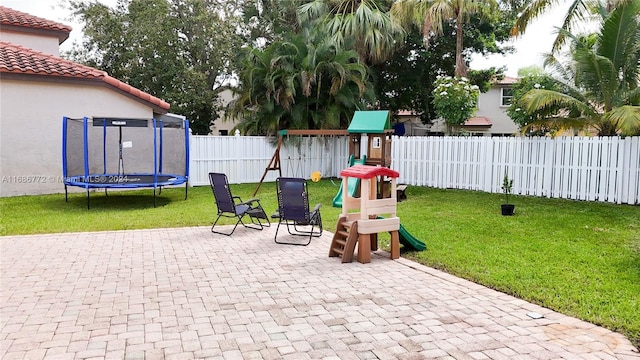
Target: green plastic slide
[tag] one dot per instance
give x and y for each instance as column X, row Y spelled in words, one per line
column 352, row 183
column 409, row 241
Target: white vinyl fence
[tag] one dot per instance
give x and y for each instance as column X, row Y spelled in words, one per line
column 244, row 158
column 584, row 168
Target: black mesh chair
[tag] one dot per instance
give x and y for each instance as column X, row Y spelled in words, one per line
column 293, row 210
column 233, row 207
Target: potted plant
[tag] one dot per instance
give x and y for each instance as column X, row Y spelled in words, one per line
column 507, row 185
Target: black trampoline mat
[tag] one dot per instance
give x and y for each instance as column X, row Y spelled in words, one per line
column 126, row 180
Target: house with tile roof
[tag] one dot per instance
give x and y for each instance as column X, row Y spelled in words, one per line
column 490, row 119
column 37, row 89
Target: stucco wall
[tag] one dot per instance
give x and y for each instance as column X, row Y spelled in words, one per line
column 489, row 106
column 31, row 129
column 47, row 45
column 223, row 124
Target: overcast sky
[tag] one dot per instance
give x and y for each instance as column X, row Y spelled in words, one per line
column 529, row 48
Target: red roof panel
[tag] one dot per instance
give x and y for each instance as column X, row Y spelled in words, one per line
column 368, row 172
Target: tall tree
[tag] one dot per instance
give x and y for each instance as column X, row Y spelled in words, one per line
column 305, row 82
column 529, row 122
column 178, row 50
column 578, row 11
column 455, row 101
column 602, row 78
column 266, row 21
column 362, row 25
column 433, row 15
column 406, row 81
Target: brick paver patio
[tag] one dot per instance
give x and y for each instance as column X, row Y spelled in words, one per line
column 189, row 294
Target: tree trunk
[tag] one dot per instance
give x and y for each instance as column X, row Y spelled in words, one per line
column 461, row 67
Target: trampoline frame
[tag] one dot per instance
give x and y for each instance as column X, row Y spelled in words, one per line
column 123, row 180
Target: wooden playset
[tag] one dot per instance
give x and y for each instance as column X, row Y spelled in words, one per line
column 275, row 164
column 377, row 193
column 360, row 220
column 376, row 126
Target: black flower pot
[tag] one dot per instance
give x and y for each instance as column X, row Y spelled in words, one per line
column 507, row 209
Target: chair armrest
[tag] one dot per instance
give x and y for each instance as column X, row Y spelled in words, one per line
column 316, row 208
column 250, row 201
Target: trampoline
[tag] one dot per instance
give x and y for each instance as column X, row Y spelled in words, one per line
column 125, row 153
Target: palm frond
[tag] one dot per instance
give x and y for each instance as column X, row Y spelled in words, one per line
column 614, row 40
column 577, row 11
column 312, row 11
column 626, row 118
column 439, row 13
column 558, row 124
column 531, row 12
column 538, row 100
column 633, row 97
column 597, row 75
column 556, row 67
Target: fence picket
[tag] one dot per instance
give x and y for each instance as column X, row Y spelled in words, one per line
column 632, row 147
column 603, row 169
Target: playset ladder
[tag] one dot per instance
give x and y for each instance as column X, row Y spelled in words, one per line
column 344, row 240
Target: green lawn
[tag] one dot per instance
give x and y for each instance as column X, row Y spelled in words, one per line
column 579, row 258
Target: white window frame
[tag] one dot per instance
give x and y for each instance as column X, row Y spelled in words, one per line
column 504, row 97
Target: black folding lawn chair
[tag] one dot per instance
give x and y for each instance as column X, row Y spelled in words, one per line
column 233, row 207
column 293, row 210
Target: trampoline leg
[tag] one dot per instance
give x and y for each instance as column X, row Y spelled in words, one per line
column 154, row 197
column 186, row 190
column 87, row 198
column 66, row 194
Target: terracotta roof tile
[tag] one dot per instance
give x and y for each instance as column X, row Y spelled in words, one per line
column 15, row 59
column 13, row 17
column 507, row 80
column 478, row 121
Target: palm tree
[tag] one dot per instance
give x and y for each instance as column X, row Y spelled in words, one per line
column 431, row 15
column 355, row 24
column 300, row 83
column 578, row 11
column 602, row 78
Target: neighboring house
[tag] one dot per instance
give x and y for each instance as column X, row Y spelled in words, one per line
column 37, row 89
column 223, row 126
column 490, row 119
column 409, row 122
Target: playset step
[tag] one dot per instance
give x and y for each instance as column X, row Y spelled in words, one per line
column 344, row 240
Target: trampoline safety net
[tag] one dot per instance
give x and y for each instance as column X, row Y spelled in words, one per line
column 125, row 152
